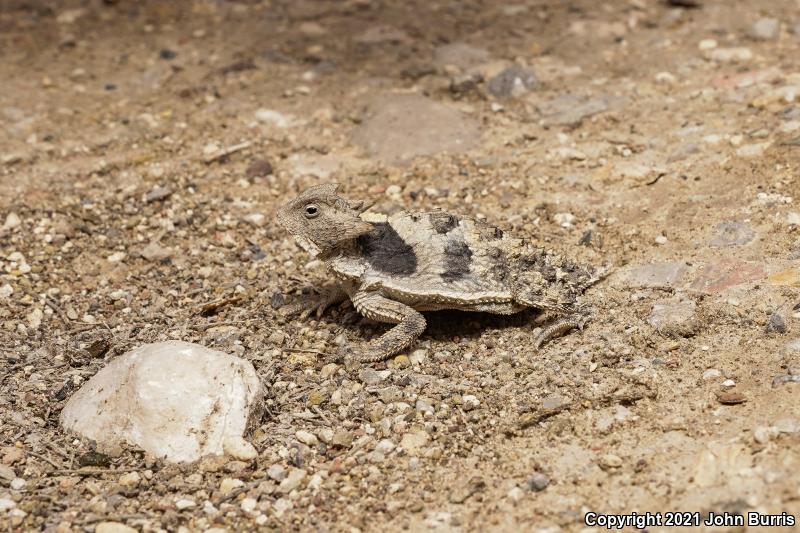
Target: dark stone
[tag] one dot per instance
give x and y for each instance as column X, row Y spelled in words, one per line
column 387, row 252
column 512, row 82
column 63, row 392
column 157, row 194
column 538, row 482
column 259, row 168
column 776, row 324
column 443, row 222
column 458, row 258
column 167, row 54
column 94, row 459
column 465, row 83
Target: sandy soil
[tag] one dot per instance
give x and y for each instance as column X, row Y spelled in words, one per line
column 662, row 140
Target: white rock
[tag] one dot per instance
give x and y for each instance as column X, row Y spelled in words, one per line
column 6, row 504
column 765, row 29
column 565, row 220
column 470, row 402
column 661, row 239
column 116, row 257
column 256, row 219
column 113, row 527
column 228, row 485
column 515, row 494
column 730, row 55
column 17, row 483
column 418, row 357
column 306, row 437
column 238, row 448
column 131, row 479
column 185, row 504
column 6, row 291
column 276, row 472
column 173, row 399
column 385, row 446
column 248, row 505
column 292, row 481
column 666, row 78
column 763, row 434
column 274, row 118
column 728, row 383
column 790, row 126
column 12, row 221
column 414, row 441
column 35, row 318
column 707, row 44
column 711, row 373
column 325, row 435
column 753, row 150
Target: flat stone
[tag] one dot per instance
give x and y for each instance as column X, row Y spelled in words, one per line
column 776, row 324
column 753, row 150
column 571, row 110
column 414, row 441
column 674, row 317
column 513, row 82
column 399, row 128
column 6, row 504
column 155, row 252
column 553, row 401
column 789, row 277
column 765, row 29
column 174, row 399
column 373, row 377
column 158, row 193
column 259, row 168
column 113, row 527
column 292, row 481
column 732, row 234
column 274, row 118
column 461, row 55
column 652, row 275
column 726, row 273
column 730, row 55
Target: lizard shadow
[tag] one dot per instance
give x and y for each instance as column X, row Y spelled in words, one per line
column 444, row 325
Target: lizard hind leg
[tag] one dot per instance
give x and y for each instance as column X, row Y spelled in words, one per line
column 409, row 325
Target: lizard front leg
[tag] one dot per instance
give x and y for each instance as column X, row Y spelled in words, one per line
column 561, row 326
column 410, row 325
column 306, row 305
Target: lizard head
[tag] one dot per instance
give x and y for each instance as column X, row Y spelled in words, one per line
column 321, row 220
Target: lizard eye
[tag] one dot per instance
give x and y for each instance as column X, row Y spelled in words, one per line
column 311, row 211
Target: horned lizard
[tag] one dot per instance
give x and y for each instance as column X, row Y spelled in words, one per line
column 429, row 261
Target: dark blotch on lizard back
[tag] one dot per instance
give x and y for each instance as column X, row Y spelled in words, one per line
column 387, row 252
column 457, row 259
column 443, row 222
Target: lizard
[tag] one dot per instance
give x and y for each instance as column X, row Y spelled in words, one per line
column 393, row 271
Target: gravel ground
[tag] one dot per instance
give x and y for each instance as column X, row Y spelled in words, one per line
column 144, row 149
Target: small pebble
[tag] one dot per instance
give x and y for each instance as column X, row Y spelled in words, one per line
column 306, row 437
column 185, row 504
column 276, row 472
column 538, row 482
